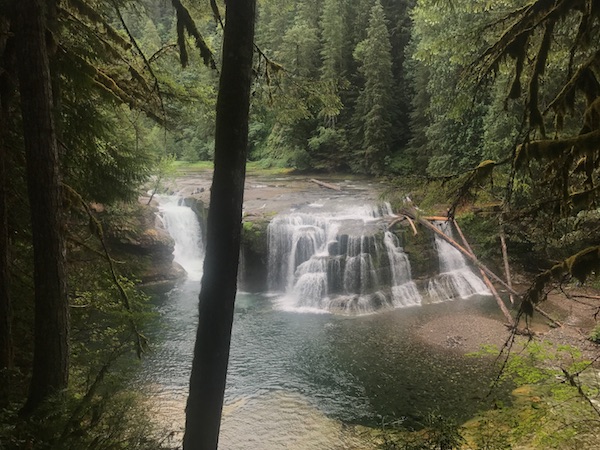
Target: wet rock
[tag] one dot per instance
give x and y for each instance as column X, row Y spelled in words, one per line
column 135, row 237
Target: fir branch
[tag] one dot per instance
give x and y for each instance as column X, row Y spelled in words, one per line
column 217, row 14
column 91, row 249
column 96, row 227
column 186, row 23
column 579, row 266
column 571, row 378
column 85, row 401
column 96, row 18
column 550, row 149
column 158, row 53
column 573, row 82
column 143, row 56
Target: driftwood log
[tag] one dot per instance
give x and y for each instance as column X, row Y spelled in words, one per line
column 506, row 265
column 486, row 279
column 326, row 185
column 410, row 213
column 461, row 249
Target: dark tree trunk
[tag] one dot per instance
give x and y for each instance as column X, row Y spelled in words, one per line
column 219, row 284
column 51, row 352
column 6, row 345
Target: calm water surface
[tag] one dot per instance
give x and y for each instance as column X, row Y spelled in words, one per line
column 302, row 381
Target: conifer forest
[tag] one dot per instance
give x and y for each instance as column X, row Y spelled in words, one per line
column 299, row 224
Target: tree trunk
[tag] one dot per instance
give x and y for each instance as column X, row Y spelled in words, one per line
column 51, row 350
column 219, row 283
column 6, row 345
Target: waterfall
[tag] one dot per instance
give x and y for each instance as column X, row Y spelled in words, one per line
column 404, row 290
column 456, row 279
column 339, row 262
column 182, row 224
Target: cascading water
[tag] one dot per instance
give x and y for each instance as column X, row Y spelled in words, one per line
column 456, row 279
column 183, row 226
column 404, row 290
column 339, row 262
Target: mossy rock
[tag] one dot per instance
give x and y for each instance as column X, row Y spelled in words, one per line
column 421, row 251
column 136, row 238
column 255, row 254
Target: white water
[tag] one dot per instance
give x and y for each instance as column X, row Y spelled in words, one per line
column 182, row 224
column 456, row 279
column 335, row 262
column 404, row 290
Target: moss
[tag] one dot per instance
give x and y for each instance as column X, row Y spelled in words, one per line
column 420, row 250
column 584, row 263
column 255, row 253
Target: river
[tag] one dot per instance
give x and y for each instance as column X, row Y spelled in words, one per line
column 311, row 378
column 297, row 380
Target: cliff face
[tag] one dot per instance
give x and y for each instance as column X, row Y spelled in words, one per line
column 135, row 235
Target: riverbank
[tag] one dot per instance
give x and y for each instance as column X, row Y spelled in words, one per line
column 574, row 316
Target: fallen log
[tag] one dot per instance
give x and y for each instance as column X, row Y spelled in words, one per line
column 589, row 297
column 486, row 279
column 506, row 265
column 326, row 185
column 461, row 249
column 412, row 224
column 548, row 316
column 436, row 218
column 402, row 219
column 396, row 221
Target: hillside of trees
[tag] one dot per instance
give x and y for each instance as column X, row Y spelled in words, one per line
column 489, row 102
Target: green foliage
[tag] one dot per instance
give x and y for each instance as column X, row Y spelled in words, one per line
column 438, row 433
column 553, row 405
column 375, row 99
column 99, row 409
column 308, row 108
column 595, row 335
column 112, row 420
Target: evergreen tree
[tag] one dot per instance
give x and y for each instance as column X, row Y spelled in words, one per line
column 299, row 51
column 400, row 29
column 373, row 111
column 333, row 29
column 418, row 152
column 448, row 120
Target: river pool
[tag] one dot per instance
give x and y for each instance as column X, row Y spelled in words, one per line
column 312, row 381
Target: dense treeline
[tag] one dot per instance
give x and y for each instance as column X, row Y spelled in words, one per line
column 331, row 92
column 430, row 90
